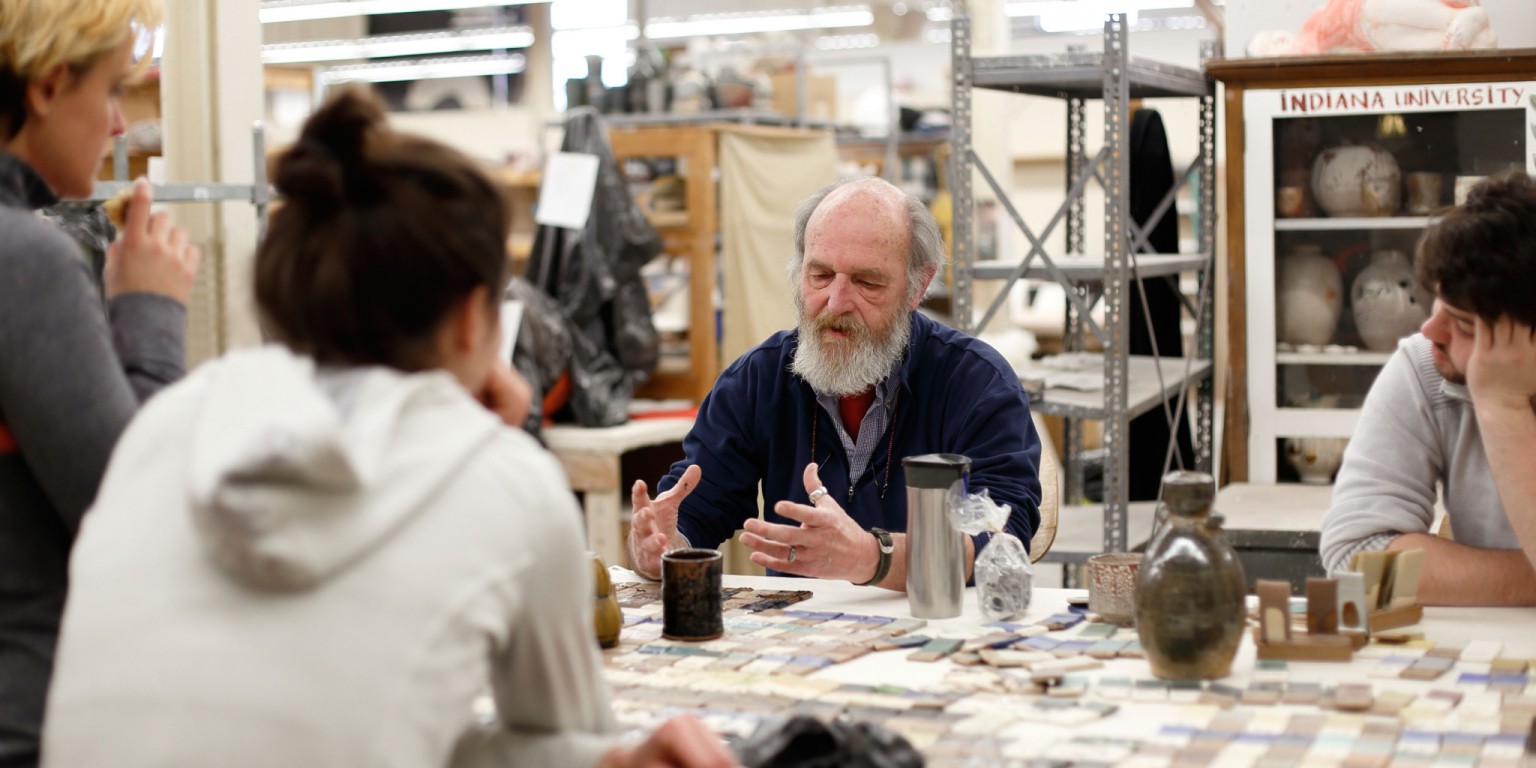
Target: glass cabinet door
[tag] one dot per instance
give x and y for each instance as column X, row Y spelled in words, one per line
column 1341, row 184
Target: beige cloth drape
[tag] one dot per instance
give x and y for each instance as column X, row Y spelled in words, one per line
column 764, row 174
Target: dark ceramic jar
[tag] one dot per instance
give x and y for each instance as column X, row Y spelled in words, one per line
column 1191, row 588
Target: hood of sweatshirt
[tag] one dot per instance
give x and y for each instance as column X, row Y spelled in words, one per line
column 299, row 471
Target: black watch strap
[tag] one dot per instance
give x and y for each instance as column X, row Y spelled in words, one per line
column 887, row 549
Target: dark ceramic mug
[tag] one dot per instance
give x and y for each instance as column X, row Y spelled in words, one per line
column 690, row 595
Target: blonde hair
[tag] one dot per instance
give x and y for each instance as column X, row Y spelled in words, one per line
column 38, row 35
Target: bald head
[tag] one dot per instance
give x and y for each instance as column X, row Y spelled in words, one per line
column 907, row 225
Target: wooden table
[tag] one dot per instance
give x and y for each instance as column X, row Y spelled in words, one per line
column 1133, row 734
column 591, row 457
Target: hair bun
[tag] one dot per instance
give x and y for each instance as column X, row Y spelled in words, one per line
column 325, row 165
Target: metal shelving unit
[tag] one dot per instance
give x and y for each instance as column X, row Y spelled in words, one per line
column 207, row 298
column 1132, row 384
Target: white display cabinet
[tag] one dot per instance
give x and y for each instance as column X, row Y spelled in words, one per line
column 1339, row 184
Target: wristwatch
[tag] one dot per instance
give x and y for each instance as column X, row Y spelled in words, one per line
column 887, row 548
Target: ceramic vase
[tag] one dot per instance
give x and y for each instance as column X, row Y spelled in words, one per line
column 1190, row 590
column 1357, row 181
column 1315, row 459
column 1309, row 297
column 607, row 619
column 1387, row 301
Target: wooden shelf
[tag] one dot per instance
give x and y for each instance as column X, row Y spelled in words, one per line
column 1352, row 224
column 691, row 235
column 1333, row 358
column 667, row 219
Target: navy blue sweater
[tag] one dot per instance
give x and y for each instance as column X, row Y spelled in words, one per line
column 957, row 395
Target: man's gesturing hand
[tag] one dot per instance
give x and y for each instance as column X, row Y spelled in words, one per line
column 827, row 544
column 653, row 529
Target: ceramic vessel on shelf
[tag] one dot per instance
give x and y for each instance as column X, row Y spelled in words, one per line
column 1315, row 459
column 1387, row 301
column 1357, row 181
column 1309, row 297
column 1190, row 590
column 1293, row 198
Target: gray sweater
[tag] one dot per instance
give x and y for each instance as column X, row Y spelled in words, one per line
column 1417, row 434
column 73, row 370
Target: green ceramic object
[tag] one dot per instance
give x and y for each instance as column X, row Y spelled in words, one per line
column 606, row 616
column 1190, row 590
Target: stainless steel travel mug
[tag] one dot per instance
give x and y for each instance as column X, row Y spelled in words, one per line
column 935, row 551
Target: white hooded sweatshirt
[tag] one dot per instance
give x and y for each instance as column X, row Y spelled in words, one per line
column 288, row 566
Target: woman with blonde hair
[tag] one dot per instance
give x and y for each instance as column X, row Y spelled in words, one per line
column 74, row 364
column 321, row 551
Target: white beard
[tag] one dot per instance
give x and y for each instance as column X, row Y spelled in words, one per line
column 848, row 366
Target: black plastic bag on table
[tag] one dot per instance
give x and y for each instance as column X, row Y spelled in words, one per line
column 806, row 742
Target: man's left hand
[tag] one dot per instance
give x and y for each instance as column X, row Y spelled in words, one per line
column 1502, row 369
column 827, row 544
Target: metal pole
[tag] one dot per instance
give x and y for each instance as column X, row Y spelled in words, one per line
column 963, row 246
column 1117, row 274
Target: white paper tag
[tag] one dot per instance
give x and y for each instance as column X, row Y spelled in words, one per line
column 511, row 323
column 565, row 196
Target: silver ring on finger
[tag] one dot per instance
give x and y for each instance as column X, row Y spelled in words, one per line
column 791, row 557
column 818, row 493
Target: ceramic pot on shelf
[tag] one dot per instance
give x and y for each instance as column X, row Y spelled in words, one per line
column 1315, row 459
column 1309, row 297
column 1357, row 181
column 1387, row 301
column 1190, row 590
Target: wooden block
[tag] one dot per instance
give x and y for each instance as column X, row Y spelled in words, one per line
column 1353, row 697
column 1403, row 583
column 1482, row 651
column 1396, row 636
column 1302, row 693
column 1389, row 703
column 1508, row 666
column 1372, row 567
column 1221, row 695
column 1308, row 648
column 936, row 649
column 1274, row 611
column 1393, row 618
column 1352, row 606
column 1263, row 693
column 1322, row 607
column 1428, row 668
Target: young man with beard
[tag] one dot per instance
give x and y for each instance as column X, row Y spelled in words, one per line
column 1453, row 409
column 820, row 417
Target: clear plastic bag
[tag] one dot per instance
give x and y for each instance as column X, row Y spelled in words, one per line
column 1004, row 577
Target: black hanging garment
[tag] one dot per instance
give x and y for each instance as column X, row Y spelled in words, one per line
column 1151, row 178
column 594, row 276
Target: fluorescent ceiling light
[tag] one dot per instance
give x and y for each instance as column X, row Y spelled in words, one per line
column 308, row 10
column 1100, row 8
column 425, row 69
column 418, row 44
column 832, row 17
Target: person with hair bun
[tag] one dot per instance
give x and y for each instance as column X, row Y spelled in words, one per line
column 77, row 357
column 1452, row 416
column 322, row 551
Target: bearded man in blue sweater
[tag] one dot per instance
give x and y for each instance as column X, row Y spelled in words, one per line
column 820, row 417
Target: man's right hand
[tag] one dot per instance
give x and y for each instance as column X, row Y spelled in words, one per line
column 653, row 529
column 151, row 255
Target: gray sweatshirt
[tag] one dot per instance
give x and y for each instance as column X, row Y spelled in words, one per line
column 73, row 370
column 1417, row 434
